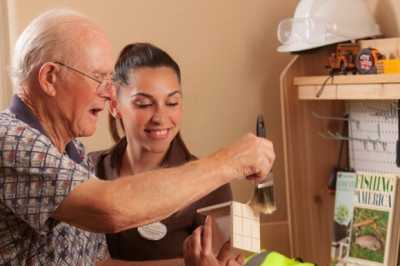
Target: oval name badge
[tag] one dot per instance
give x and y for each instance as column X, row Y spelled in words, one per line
column 154, row 231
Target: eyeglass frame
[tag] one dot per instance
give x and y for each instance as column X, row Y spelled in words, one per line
column 99, row 82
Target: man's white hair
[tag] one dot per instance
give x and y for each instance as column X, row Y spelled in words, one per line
column 45, row 39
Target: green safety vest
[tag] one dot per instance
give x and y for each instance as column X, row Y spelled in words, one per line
column 266, row 258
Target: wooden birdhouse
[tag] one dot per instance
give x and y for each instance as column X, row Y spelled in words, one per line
column 236, row 221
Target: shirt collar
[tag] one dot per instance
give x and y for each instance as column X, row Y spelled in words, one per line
column 176, row 155
column 23, row 113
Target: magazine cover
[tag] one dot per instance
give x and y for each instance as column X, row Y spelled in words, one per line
column 373, row 207
column 343, row 215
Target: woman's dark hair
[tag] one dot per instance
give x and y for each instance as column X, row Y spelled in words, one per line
column 131, row 58
column 137, row 55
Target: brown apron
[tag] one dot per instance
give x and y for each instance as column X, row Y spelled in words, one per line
column 129, row 244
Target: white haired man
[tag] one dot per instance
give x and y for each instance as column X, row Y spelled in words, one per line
column 53, row 210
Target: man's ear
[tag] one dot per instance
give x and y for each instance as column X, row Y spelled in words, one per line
column 47, row 78
column 113, row 108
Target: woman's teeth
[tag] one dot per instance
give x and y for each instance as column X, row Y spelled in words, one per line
column 162, row 133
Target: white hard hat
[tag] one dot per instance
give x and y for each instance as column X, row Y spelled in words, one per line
column 318, row 23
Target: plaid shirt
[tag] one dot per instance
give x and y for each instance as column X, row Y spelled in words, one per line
column 34, row 179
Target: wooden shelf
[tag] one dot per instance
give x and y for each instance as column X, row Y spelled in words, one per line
column 349, row 87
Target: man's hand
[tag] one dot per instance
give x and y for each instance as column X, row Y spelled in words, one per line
column 251, row 157
column 197, row 249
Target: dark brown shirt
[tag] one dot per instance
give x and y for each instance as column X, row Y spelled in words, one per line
column 129, row 244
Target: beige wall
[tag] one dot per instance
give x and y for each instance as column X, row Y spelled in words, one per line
column 5, row 90
column 387, row 13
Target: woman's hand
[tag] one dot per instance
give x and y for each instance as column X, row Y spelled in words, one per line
column 197, row 249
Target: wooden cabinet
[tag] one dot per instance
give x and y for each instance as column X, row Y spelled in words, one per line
column 310, row 159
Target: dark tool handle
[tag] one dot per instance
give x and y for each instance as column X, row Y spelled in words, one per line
column 260, row 129
column 398, row 153
column 398, row 135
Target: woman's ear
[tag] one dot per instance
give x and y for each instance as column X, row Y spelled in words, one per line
column 113, row 108
column 47, row 78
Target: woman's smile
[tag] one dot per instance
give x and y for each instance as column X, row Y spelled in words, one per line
column 157, row 134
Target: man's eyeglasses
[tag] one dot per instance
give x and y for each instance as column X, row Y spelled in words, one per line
column 102, row 83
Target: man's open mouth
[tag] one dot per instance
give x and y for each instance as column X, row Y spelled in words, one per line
column 95, row 111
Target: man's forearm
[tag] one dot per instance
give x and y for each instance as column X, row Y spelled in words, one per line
column 112, row 206
column 163, row 192
column 131, row 201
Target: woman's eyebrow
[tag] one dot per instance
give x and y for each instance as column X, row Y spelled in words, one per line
column 174, row 93
column 141, row 94
column 150, row 96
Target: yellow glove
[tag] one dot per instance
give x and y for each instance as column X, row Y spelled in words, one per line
column 273, row 259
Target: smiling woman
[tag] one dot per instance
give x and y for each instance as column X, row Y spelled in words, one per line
column 5, row 88
column 148, row 107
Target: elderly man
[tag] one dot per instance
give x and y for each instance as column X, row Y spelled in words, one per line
column 53, row 210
